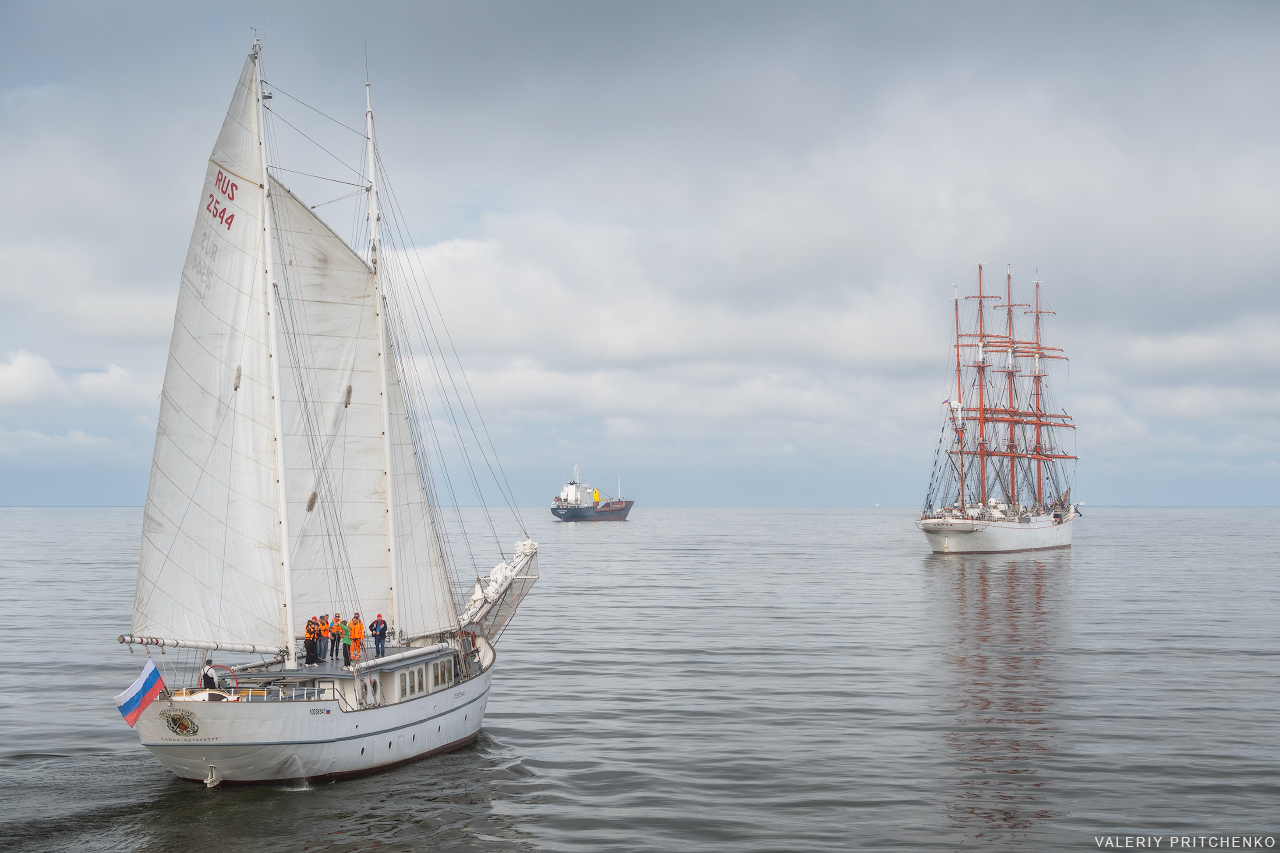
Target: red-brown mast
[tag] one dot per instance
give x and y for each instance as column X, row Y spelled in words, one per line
column 982, row 383
column 1038, row 410
column 958, row 423
column 1013, row 461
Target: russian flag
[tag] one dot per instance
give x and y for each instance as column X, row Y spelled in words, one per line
column 140, row 694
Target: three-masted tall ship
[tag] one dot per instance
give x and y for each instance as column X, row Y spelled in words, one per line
column 1000, row 477
column 291, row 480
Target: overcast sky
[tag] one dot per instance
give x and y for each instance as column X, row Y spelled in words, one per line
column 709, row 247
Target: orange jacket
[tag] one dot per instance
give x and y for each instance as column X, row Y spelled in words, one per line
column 357, row 629
column 313, row 631
column 324, row 628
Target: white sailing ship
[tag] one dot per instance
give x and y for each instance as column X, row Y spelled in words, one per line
column 291, row 479
column 1000, row 481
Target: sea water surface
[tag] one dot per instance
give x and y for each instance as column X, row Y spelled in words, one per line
column 726, row 680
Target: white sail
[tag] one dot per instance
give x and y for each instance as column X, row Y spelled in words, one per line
column 333, row 442
column 358, row 513
column 426, row 600
column 210, row 563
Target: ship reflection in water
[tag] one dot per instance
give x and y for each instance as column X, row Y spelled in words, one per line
column 1002, row 621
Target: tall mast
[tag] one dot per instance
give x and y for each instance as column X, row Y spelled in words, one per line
column 272, row 298
column 958, row 422
column 1013, row 460
column 1039, row 410
column 384, row 354
column 982, row 382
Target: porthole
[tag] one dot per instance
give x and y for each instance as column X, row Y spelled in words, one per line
column 437, row 728
column 388, row 744
column 362, row 750
column 415, row 737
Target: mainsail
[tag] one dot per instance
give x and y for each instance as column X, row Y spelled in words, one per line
column 210, row 562
column 359, row 530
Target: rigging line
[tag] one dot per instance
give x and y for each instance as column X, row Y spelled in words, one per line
column 280, row 91
column 332, row 200
column 452, row 420
column 318, row 177
column 419, row 400
column 423, row 454
column 462, row 444
column 407, row 239
column 422, row 411
column 508, row 495
column 435, row 362
column 309, row 139
column 339, row 552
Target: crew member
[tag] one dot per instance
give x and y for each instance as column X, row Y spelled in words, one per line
column 323, row 652
column 357, row 636
column 335, row 647
column 208, row 677
column 346, row 645
column 378, row 627
column 310, row 639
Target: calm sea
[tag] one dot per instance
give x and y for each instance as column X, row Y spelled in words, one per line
column 727, row 680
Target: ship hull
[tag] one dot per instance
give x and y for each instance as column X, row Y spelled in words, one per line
column 605, row 512
column 247, row 742
column 963, row 536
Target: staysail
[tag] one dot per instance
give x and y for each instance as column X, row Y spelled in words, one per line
column 331, row 398
column 209, row 567
column 362, row 534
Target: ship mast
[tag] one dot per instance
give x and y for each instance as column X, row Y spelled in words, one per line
column 1011, row 368
column 981, row 365
column 384, row 354
column 1038, row 377
column 272, row 297
column 957, row 422
column 982, row 383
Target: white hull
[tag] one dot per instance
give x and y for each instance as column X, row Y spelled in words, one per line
column 277, row 741
column 964, row 536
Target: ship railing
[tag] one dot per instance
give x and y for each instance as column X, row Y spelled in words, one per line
column 264, row 694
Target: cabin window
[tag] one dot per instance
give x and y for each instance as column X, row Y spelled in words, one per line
column 442, row 673
column 403, row 689
column 420, row 679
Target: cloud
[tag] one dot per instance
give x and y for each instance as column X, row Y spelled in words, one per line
column 28, row 380
column 712, row 235
column 31, row 442
column 31, row 380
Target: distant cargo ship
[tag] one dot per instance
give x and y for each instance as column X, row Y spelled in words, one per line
column 577, row 501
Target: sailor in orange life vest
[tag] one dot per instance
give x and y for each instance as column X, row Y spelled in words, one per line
column 310, row 638
column 357, row 636
column 335, row 644
column 323, row 650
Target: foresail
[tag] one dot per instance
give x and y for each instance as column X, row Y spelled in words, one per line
column 426, row 599
column 209, row 568
column 331, row 399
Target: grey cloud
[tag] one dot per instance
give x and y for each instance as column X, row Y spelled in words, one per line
column 713, row 234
